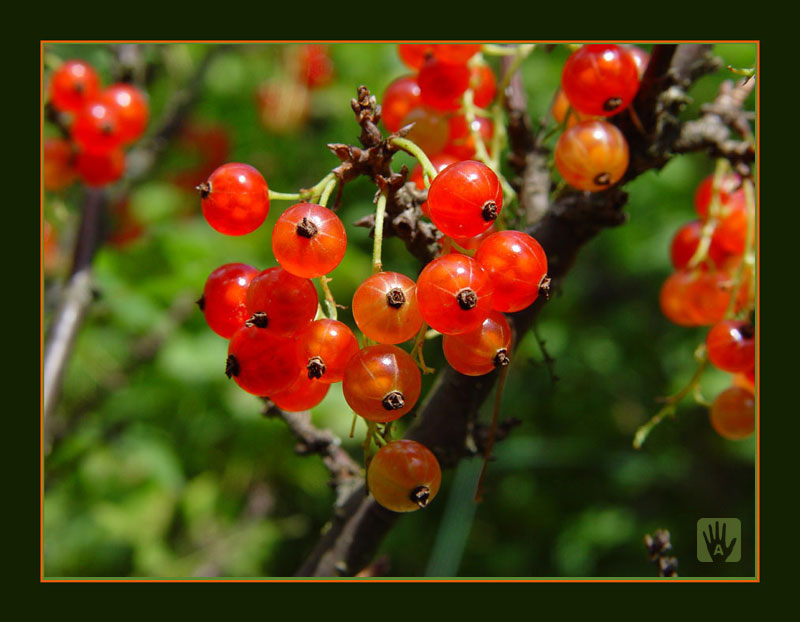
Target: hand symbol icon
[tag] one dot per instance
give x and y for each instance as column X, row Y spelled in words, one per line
column 715, row 543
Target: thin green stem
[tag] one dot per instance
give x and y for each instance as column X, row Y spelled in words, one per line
column 492, row 49
column 380, row 212
column 750, row 206
column 326, row 194
column 415, row 150
column 416, row 349
column 330, row 302
column 715, row 207
column 284, row 196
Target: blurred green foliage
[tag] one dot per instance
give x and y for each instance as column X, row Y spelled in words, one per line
column 157, row 466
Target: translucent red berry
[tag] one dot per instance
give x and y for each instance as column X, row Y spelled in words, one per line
column 517, row 266
column 600, row 79
column 483, row 83
column 58, row 164
column 309, row 240
column 731, row 346
column 702, row 197
column 235, row 199
column 132, row 109
column 442, row 83
column 381, row 383
column 282, row 302
column 404, row 476
column 414, row 55
column 684, row 245
column 458, row 53
column 97, row 127
column 561, row 108
column 440, row 162
column 101, row 168
column 224, row 298
column 455, row 294
column 399, row 98
column 480, row 351
column 324, row 348
column 465, row 199
column 592, row 155
column 733, row 413
column 640, row 57
column 303, row 394
column 385, row 308
column 262, row 362
column 73, row 85
column 430, row 129
column 460, row 141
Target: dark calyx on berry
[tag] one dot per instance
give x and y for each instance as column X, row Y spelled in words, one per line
column 748, row 331
column 316, row 367
column 501, row 358
column 421, row 495
column 602, row 179
column 204, row 189
column 393, row 400
column 259, row 319
column 395, row 298
column 489, row 211
column 612, row 103
column 467, row 299
column 231, row 366
column 544, row 287
column 306, row 228
column 201, row 302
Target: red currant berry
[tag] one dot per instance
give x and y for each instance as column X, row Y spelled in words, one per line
column 702, row 197
column 460, row 142
column 235, row 199
column 592, row 155
column 58, row 164
column 561, row 108
column 224, row 298
column 640, row 57
column 430, row 129
column 404, row 476
column 281, row 301
column 709, row 296
column 99, row 169
column 262, row 362
column 442, row 84
column 324, row 348
column 746, row 380
column 458, row 53
column 385, row 308
column 674, row 298
column 97, row 127
column 480, row 351
column 465, row 199
column 303, row 394
column 731, row 346
column 381, row 383
column 414, row 55
column 730, row 234
column 73, row 85
column 440, row 162
column 733, row 413
column 484, row 85
column 685, row 243
column 309, row 240
column 454, row 294
column 400, row 97
column 314, row 65
column 132, row 109
column 470, row 244
column 600, row 79
column 126, row 227
column 517, row 266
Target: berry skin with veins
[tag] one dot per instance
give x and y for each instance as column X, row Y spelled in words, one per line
column 592, row 155
column 404, row 476
column 224, row 298
column 281, row 302
column 303, row 394
column 440, row 162
column 324, row 348
column 73, row 85
column 480, row 351
column 465, row 199
column 733, row 413
column 262, row 362
column 235, row 199
column 309, row 240
column 381, row 383
column 455, row 294
column 385, row 308
column 517, row 266
column 600, row 79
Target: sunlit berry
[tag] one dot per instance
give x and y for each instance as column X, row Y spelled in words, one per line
column 280, row 301
column 600, row 79
column 517, row 266
column 414, row 55
column 454, row 294
column 224, row 298
column 480, row 351
column 324, row 348
column 132, row 109
column 303, row 394
column 685, row 243
column 465, row 199
column 483, row 83
column 455, row 52
column 561, row 108
column 73, row 84
column 440, row 161
column 309, row 240
column 733, row 413
column 729, row 183
column 262, row 362
column 460, row 140
column 58, row 164
column 385, row 308
column 381, row 383
column 442, row 84
column 640, row 57
column 97, row 127
column 592, row 155
column 235, row 199
column 404, row 476
column 399, row 98
column 100, row 168
column 430, row 129
column 731, row 346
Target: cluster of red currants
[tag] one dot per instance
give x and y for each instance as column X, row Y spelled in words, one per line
column 712, row 285
column 101, row 123
column 598, row 81
column 431, row 99
column 284, row 103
